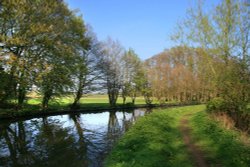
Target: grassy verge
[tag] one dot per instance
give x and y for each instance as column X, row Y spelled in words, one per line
column 155, row 140
column 223, row 146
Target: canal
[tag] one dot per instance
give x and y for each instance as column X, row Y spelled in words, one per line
column 74, row 140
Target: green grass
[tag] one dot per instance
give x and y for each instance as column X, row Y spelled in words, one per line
column 88, row 102
column 155, row 140
column 223, row 146
column 32, row 105
column 91, row 99
column 85, row 102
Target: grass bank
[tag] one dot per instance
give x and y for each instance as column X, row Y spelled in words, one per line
column 61, row 105
column 225, row 147
column 156, row 141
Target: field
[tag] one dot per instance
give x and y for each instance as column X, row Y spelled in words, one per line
column 86, row 101
column 32, row 105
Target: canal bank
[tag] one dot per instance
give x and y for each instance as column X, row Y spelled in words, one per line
column 25, row 114
column 180, row 136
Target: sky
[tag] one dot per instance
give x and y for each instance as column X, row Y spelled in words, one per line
column 143, row 25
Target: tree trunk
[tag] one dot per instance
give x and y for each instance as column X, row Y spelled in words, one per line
column 46, row 98
column 77, row 98
column 133, row 100
column 113, row 95
column 21, row 96
column 124, row 99
column 11, row 147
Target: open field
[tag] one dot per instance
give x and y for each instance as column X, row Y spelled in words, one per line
column 32, row 105
column 60, row 105
column 160, row 140
column 67, row 100
column 88, row 101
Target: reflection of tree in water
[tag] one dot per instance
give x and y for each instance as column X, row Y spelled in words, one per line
column 148, row 110
column 82, row 145
column 127, row 121
column 47, row 142
column 114, row 130
column 113, row 124
column 56, row 146
column 49, row 145
column 106, row 140
column 132, row 117
column 90, row 148
column 15, row 137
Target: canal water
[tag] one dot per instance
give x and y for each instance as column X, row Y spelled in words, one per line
column 70, row 140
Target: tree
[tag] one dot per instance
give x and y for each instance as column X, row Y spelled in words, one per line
column 131, row 71
column 86, row 68
column 223, row 35
column 144, row 85
column 111, row 68
column 180, row 74
column 64, row 63
column 39, row 35
column 6, row 89
column 14, row 39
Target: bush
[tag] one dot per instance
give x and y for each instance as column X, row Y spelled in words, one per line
column 129, row 104
column 217, row 105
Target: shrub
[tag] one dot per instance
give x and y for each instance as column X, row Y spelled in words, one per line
column 129, row 104
column 217, row 105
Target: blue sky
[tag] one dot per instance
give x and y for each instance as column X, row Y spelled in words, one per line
column 144, row 25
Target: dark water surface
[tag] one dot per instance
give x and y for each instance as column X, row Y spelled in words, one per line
column 70, row 140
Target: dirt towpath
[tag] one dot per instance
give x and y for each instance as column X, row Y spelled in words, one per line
column 195, row 152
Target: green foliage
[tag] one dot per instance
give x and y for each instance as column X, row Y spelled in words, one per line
column 223, row 35
column 131, row 75
column 6, row 91
column 40, row 42
column 129, row 104
column 217, row 104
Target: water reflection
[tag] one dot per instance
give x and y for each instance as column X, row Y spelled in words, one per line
column 64, row 140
